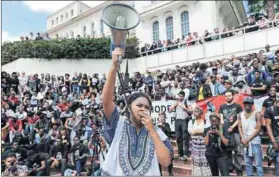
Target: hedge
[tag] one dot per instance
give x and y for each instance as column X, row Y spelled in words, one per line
column 87, row 48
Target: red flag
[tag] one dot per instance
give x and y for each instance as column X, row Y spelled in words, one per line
column 217, row 101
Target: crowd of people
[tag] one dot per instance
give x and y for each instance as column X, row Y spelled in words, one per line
column 73, row 123
column 46, row 36
column 194, row 38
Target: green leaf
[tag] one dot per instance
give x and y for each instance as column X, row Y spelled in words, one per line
column 94, row 48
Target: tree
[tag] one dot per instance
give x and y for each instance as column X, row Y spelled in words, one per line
column 270, row 9
column 266, row 7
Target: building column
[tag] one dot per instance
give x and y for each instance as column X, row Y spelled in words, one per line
column 162, row 28
column 177, row 33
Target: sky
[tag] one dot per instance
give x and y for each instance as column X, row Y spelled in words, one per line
column 19, row 18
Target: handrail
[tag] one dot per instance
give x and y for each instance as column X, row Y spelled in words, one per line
column 180, row 62
column 184, row 43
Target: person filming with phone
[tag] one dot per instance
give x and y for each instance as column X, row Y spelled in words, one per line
column 216, row 144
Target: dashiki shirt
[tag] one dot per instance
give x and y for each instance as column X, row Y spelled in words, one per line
column 130, row 153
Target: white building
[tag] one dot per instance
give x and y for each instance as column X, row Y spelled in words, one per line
column 79, row 19
column 162, row 20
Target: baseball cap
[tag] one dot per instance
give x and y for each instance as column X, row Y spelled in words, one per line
column 248, row 100
column 225, row 77
column 228, row 81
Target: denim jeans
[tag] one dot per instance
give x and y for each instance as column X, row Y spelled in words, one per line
column 78, row 166
column 257, row 156
column 76, row 89
column 276, row 161
column 29, row 129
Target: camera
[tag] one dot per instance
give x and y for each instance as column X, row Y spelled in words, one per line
column 96, row 137
column 214, row 138
column 213, row 127
column 12, row 168
column 35, row 165
column 160, row 126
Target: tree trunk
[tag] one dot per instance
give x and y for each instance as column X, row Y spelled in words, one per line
column 270, row 9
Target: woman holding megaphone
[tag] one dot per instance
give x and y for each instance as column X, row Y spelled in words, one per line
column 137, row 147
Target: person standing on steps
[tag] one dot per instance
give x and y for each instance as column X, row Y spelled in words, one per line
column 183, row 112
column 229, row 113
column 136, row 146
column 216, row 144
column 196, row 127
column 167, row 130
column 271, row 116
column 249, row 126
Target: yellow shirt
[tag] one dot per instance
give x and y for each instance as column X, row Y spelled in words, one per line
column 200, row 97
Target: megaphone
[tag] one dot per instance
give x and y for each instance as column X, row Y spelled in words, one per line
column 120, row 18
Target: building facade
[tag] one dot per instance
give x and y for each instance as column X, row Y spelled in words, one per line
column 162, row 20
column 79, row 19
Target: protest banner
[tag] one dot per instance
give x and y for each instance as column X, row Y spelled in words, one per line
column 160, row 106
column 217, row 101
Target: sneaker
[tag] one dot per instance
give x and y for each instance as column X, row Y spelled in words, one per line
column 184, row 158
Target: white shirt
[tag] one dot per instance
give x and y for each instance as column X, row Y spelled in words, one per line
column 41, row 95
column 21, row 116
column 23, row 80
column 116, row 158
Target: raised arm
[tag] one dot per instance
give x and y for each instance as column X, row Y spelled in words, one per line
column 108, row 91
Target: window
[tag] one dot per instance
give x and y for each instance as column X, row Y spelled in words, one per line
column 84, row 31
column 185, row 23
column 56, row 21
column 92, row 29
column 155, row 30
column 72, row 34
column 101, row 27
column 66, row 15
column 169, row 27
column 61, row 18
column 52, row 22
column 72, row 12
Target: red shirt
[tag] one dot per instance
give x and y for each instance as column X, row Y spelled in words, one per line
column 13, row 100
column 189, row 39
column 32, row 120
column 63, row 106
column 15, row 126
